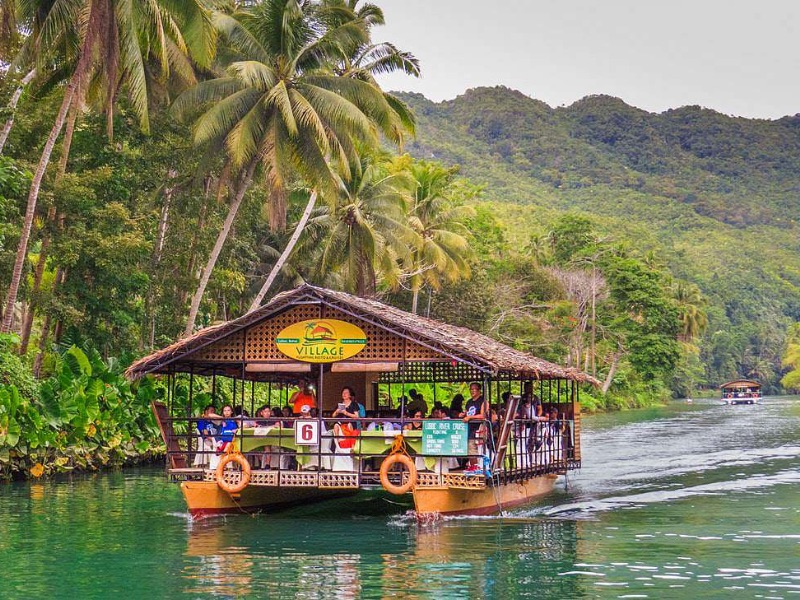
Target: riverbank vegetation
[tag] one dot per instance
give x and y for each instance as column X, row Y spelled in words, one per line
column 158, row 175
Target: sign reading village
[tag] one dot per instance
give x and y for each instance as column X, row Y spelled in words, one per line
column 321, row 340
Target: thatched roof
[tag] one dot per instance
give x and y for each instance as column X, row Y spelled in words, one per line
column 458, row 343
column 740, row 383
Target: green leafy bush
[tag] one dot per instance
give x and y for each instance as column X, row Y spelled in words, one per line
column 86, row 416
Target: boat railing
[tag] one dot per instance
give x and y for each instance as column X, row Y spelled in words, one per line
column 535, row 446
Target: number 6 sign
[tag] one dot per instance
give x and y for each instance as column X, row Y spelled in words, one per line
column 306, row 433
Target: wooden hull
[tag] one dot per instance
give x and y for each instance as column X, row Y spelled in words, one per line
column 487, row 501
column 205, row 498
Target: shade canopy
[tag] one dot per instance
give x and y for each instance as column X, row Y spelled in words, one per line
column 246, row 346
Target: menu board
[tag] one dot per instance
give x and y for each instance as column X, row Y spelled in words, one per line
column 444, row 438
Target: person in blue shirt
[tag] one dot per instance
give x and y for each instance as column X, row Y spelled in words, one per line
column 227, row 428
column 206, row 442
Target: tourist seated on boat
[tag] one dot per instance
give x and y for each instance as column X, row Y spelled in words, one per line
column 344, row 438
column 206, row 440
column 457, row 406
column 475, row 413
column 349, row 407
column 303, row 397
column 416, row 423
column 264, row 416
column 243, row 416
column 438, row 413
column 227, row 428
column 264, row 419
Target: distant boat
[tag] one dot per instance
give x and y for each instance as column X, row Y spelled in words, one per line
column 741, row 391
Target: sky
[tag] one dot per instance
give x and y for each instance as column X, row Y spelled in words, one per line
column 739, row 58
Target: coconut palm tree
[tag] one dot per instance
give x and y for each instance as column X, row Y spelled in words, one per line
column 443, row 251
column 360, row 236
column 358, row 60
column 118, row 43
column 280, row 105
column 691, row 311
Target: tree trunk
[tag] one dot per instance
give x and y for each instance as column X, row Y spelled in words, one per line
column 164, row 220
column 37, row 363
column 158, row 251
column 414, row 300
column 60, row 277
column 611, row 372
column 37, row 284
column 65, row 147
column 215, row 252
column 12, row 105
column 37, row 280
column 430, row 299
column 286, row 252
column 30, row 211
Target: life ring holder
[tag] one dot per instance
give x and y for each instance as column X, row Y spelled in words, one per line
column 238, row 458
column 398, row 455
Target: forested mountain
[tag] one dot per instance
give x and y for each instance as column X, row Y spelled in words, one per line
column 715, row 197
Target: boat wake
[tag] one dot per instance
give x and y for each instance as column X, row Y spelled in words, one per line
column 591, row 507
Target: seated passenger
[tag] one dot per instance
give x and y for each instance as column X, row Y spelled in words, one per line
column 416, row 424
column 264, row 416
column 206, row 440
column 227, row 429
column 349, row 407
column 345, row 437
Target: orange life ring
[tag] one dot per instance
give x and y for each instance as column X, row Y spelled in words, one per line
column 242, row 462
column 412, row 473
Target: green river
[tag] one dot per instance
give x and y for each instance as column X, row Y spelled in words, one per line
column 686, row 501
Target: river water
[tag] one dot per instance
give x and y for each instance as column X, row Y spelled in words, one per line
column 684, row 501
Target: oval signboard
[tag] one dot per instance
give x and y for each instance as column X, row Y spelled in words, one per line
column 321, row 340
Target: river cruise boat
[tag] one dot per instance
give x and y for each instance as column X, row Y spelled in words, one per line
column 334, row 346
column 741, row 391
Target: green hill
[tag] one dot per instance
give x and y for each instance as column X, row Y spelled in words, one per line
column 715, row 197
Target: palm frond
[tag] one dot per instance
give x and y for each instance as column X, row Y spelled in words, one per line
column 212, row 90
column 278, row 98
column 253, row 74
column 134, row 71
column 221, row 118
column 387, row 58
column 239, row 37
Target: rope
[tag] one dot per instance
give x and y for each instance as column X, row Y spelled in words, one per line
column 399, row 446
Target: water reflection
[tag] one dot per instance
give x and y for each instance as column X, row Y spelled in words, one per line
column 365, row 558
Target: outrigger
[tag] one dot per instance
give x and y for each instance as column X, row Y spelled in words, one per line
column 380, row 352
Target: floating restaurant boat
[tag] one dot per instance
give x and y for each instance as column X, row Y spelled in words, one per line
column 335, row 340
column 741, row 391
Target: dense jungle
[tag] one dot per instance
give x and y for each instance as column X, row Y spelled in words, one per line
column 168, row 166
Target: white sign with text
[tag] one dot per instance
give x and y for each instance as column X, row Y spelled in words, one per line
column 306, row 432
